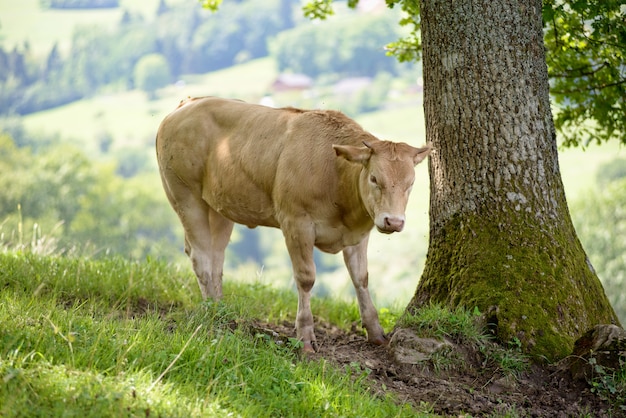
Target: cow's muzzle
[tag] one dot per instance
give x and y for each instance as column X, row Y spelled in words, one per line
column 388, row 224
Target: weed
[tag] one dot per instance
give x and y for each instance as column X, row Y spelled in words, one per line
column 459, row 325
column 388, row 318
column 446, row 360
column 509, row 362
column 610, row 384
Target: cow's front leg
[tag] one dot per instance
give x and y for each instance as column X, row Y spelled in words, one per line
column 355, row 258
column 300, row 239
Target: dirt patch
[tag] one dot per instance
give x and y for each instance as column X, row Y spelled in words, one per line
column 477, row 390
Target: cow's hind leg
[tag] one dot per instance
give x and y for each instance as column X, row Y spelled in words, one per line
column 355, row 258
column 206, row 236
column 220, row 230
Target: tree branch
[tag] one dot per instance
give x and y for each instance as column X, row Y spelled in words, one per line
column 589, row 88
column 582, row 73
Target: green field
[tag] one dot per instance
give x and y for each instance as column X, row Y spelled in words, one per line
column 26, row 21
column 132, row 120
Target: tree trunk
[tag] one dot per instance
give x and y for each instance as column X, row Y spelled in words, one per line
column 501, row 237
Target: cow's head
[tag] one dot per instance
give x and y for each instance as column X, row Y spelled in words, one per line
column 386, row 178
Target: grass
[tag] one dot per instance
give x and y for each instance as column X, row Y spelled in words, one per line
column 118, row 338
column 610, row 384
column 435, row 321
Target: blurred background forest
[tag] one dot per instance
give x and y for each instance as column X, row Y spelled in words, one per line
column 84, row 85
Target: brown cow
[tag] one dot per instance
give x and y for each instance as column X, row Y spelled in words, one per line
column 315, row 174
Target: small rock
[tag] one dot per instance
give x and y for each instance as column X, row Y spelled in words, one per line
column 409, row 348
column 502, row 385
column 601, row 338
column 605, row 343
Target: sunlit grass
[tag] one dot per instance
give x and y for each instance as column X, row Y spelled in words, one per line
column 119, row 338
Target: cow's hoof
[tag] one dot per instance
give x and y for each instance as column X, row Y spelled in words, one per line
column 380, row 340
column 309, row 348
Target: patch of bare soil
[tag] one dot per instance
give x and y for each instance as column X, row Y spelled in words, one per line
column 476, row 390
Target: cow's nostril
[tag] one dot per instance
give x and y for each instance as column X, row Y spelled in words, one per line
column 395, row 224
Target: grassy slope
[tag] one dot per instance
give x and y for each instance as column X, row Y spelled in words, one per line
column 113, row 338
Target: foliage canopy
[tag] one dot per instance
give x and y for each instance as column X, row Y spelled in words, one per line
column 350, row 46
column 586, row 57
column 151, row 73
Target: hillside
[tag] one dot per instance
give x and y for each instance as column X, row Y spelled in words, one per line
column 115, row 338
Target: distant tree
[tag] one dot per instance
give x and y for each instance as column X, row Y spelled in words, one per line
column 611, row 171
column 84, row 204
column 79, row 4
column 174, row 33
column 352, row 46
column 163, row 8
column 131, row 162
column 151, row 73
column 375, row 96
column 47, row 185
column 127, row 49
column 54, row 64
column 242, row 30
column 112, row 218
column 127, row 18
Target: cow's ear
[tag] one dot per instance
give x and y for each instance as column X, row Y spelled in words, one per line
column 421, row 153
column 352, row 153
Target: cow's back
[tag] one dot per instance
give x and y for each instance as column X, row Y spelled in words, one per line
column 212, row 130
column 257, row 165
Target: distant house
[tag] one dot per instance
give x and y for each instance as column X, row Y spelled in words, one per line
column 287, row 82
column 350, row 86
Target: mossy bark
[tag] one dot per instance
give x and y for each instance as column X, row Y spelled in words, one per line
column 501, row 238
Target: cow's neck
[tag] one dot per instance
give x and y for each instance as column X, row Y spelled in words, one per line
column 355, row 215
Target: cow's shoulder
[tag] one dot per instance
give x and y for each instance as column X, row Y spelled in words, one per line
column 330, row 126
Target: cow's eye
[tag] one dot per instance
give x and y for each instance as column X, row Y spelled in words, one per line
column 373, row 179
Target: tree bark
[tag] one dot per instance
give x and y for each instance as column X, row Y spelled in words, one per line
column 501, row 237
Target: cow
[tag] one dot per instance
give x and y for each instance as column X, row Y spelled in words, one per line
column 315, row 174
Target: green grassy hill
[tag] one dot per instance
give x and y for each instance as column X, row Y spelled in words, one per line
column 132, row 120
column 113, row 338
